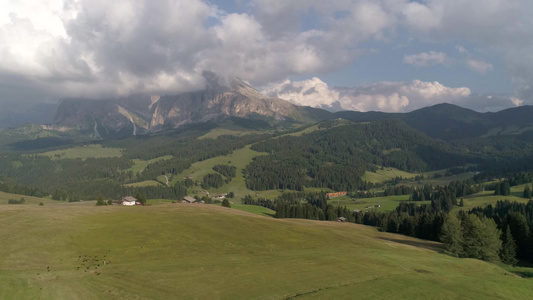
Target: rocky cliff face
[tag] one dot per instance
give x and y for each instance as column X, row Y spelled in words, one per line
column 238, row 100
column 142, row 114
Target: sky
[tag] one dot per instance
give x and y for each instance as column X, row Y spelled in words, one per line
column 386, row 55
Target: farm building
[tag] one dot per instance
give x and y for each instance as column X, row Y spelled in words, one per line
column 341, row 219
column 128, row 200
column 337, row 194
column 220, row 197
column 187, row 199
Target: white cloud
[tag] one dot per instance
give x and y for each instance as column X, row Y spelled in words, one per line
column 426, row 59
column 461, row 49
column 400, row 96
column 382, row 96
column 313, row 92
column 516, row 101
column 479, row 66
column 498, row 27
column 375, row 102
column 96, row 47
column 100, row 48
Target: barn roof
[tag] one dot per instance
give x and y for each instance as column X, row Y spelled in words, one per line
column 189, row 199
column 129, row 199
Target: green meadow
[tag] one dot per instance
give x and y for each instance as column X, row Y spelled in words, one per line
column 487, row 197
column 386, row 174
column 28, row 200
column 388, row 203
column 238, row 158
column 139, row 165
column 144, row 183
column 215, row 133
column 83, row 152
column 180, row 251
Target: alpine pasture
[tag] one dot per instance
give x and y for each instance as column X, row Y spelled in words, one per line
column 81, row 251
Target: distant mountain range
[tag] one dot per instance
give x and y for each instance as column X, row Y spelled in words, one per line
column 142, row 114
column 452, row 122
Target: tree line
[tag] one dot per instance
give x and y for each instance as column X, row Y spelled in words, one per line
column 501, row 232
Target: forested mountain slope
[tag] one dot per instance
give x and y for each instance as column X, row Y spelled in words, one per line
column 451, row 122
column 337, row 157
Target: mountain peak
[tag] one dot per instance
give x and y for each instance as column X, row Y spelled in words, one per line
column 222, row 98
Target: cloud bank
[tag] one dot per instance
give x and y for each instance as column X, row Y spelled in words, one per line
column 96, row 48
column 385, row 96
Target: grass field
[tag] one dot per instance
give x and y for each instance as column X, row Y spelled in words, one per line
column 386, row 174
column 210, row 252
column 388, row 203
column 488, row 197
column 83, row 152
column 239, row 158
column 28, row 200
column 447, row 179
column 144, row 183
column 139, row 165
column 215, row 133
column 254, row 209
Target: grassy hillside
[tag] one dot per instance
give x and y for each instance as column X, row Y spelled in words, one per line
column 488, row 197
column 386, row 174
column 143, row 183
column 83, row 152
column 238, row 158
column 211, row 252
column 28, row 200
column 388, row 203
column 139, row 165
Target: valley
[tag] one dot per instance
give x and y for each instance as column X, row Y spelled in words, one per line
column 273, row 174
column 259, row 149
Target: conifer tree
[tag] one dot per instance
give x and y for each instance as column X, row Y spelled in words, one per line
column 452, row 234
column 508, row 252
column 100, row 201
column 226, row 203
column 527, row 192
column 497, row 189
column 481, row 238
column 506, row 188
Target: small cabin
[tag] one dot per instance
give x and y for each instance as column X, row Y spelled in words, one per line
column 341, row 219
column 187, row 199
column 129, row 201
column 220, row 197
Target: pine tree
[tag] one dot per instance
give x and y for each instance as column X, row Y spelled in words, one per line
column 508, row 252
column 100, row 201
column 226, row 203
column 506, row 189
column 527, row 192
column 452, row 234
column 520, row 231
column 481, row 238
column 497, row 189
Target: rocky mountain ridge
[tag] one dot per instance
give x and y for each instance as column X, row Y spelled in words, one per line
column 141, row 114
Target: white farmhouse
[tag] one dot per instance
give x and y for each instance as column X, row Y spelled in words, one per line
column 129, row 200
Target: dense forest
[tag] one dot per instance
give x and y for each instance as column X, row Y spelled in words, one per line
column 337, row 157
